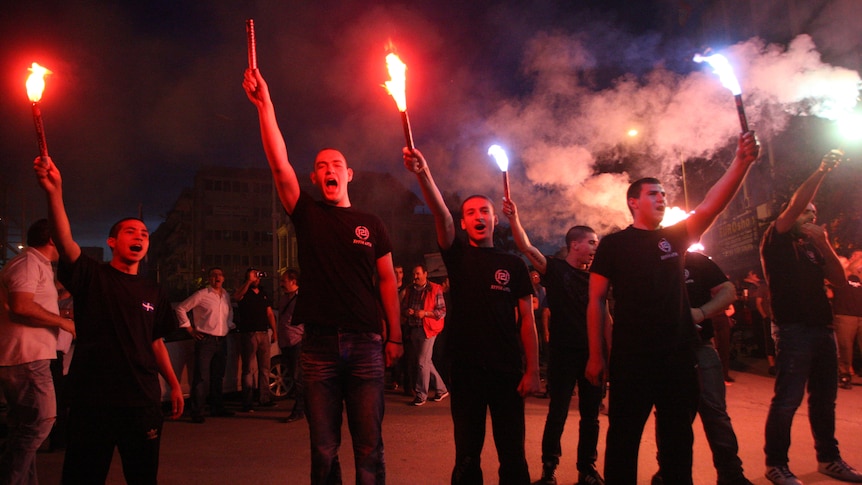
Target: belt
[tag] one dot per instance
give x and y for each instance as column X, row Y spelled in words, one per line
column 327, row 331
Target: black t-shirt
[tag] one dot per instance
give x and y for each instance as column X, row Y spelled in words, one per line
column 486, row 284
column 645, row 268
column 848, row 300
column 701, row 276
column 251, row 311
column 568, row 294
column 117, row 318
column 338, row 252
column 794, row 272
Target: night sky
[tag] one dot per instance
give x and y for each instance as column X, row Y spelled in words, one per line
column 146, row 93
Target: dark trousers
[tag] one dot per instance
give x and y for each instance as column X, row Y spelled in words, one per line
column 565, row 370
column 475, row 392
column 210, row 363
column 94, row 433
column 667, row 381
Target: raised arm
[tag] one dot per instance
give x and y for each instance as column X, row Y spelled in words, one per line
column 537, row 259
column 806, row 192
column 597, row 314
column 51, row 182
column 445, row 225
column 283, row 174
column 725, row 188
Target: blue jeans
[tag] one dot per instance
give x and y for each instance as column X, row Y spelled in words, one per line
column 29, row 392
column 474, row 392
column 344, row 371
column 713, row 414
column 255, row 345
column 565, row 370
column 210, row 362
column 425, row 370
column 804, row 355
column 290, row 361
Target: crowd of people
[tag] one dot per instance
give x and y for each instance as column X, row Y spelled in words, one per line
column 634, row 314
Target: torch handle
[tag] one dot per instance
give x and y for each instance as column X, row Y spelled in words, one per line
column 252, row 44
column 408, row 133
column 40, row 131
column 740, row 110
column 506, row 185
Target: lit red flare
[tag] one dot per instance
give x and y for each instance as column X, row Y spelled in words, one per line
column 35, row 86
column 396, row 86
column 502, row 160
column 721, row 66
column 252, row 44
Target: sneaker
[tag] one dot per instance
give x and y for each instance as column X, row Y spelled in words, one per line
column 738, row 479
column 781, row 475
column 590, row 477
column 839, row 469
column 845, row 381
column 440, row 396
column 418, row 401
column 548, row 474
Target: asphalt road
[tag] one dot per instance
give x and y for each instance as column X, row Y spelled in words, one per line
column 256, row 448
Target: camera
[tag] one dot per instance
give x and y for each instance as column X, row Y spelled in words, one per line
column 260, row 274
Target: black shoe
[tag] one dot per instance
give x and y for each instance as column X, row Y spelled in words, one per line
column 845, row 381
column 247, row 409
column 268, row 404
column 548, row 474
column 224, row 413
column 198, row 419
column 772, row 370
column 729, row 379
column 657, row 479
column 590, row 477
column 440, row 396
column 294, row 417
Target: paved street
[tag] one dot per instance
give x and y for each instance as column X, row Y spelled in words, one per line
column 257, row 449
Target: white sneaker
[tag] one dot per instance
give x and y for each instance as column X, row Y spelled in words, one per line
column 781, row 475
column 839, row 469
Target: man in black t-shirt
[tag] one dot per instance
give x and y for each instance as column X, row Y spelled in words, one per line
column 652, row 362
column 709, row 293
column 487, row 287
column 120, row 319
column 797, row 256
column 485, row 340
column 340, row 250
column 257, row 333
column 566, row 281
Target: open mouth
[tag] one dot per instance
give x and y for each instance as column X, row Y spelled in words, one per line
column 136, row 247
column 331, row 183
column 480, row 227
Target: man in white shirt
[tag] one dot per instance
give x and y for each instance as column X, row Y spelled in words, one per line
column 29, row 322
column 213, row 318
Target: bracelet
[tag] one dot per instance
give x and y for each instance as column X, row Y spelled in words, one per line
column 394, row 342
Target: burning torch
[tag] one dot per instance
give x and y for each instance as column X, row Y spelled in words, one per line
column 721, row 66
column 396, row 85
column 35, row 86
column 502, row 160
column 252, row 44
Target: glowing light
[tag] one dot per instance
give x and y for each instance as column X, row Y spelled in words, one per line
column 721, row 66
column 850, row 126
column 500, row 156
column 397, row 83
column 672, row 215
column 36, row 82
column 633, row 132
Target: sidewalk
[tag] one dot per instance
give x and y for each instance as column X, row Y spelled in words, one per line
column 256, row 448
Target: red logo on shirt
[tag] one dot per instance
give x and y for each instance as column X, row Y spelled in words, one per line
column 362, row 232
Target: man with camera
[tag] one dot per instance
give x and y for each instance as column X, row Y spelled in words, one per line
column 256, row 319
